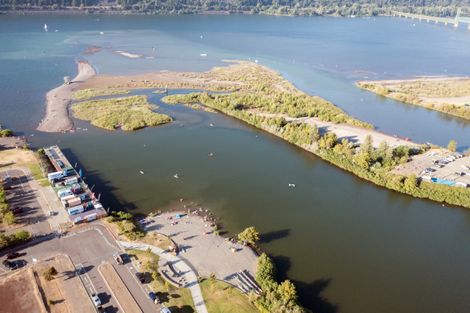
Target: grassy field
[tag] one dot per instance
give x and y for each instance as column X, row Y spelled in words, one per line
column 451, row 95
column 86, row 94
column 38, row 175
column 127, row 113
column 176, row 299
column 221, row 297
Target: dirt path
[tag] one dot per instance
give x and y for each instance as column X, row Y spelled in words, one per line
column 118, row 289
column 351, row 133
column 57, row 117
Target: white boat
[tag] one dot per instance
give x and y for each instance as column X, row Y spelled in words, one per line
column 203, row 54
column 45, row 27
column 292, row 185
column 211, row 125
column 142, row 172
column 176, row 176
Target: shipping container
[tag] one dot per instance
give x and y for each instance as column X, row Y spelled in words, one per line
column 74, row 202
column 64, row 192
column 90, row 217
column 75, row 210
column 76, row 189
column 78, row 220
column 84, row 196
column 66, row 198
column 71, row 181
column 98, row 206
column 69, row 171
column 55, row 175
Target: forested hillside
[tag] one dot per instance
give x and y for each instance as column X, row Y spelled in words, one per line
column 279, row 7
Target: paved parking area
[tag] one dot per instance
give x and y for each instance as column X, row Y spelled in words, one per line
column 202, row 248
column 21, row 194
column 457, row 170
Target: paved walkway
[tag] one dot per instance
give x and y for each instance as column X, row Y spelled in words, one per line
column 181, row 266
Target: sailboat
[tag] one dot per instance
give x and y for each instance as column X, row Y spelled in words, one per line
column 45, row 27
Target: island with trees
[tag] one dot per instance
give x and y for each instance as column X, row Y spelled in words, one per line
column 127, row 113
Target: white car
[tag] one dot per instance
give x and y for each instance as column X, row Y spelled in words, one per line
column 96, row 300
column 165, row 310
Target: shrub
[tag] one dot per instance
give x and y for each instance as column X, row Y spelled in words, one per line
column 248, row 236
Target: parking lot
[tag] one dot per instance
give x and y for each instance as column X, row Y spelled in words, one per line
column 439, row 165
column 23, row 200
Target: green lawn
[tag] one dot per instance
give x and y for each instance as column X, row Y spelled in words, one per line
column 37, row 174
column 221, row 297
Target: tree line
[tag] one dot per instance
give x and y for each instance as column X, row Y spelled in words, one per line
column 444, row 8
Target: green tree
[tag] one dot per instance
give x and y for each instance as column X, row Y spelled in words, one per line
column 22, row 235
column 452, row 146
column 328, row 141
column 363, row 159
column 410, row 183
column 288, row 293
column 9, row 218
column 4, row 241
column 249, row 235
column 367, row 145
column 315, row 133
column 6, row 133
column 265, row 272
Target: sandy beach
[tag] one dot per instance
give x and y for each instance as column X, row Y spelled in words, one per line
column 57, row 117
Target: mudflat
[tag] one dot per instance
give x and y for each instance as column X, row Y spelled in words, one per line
column 57, row 117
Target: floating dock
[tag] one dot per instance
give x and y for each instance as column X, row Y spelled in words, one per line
column 77, row 198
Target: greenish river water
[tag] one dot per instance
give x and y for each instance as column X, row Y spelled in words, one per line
column 350, row 246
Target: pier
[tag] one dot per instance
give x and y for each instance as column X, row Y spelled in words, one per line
column 456, row 21
column 77, row 198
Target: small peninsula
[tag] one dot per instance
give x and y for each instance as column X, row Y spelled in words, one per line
column 449, row 95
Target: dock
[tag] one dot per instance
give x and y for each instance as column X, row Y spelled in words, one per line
column 78, row 200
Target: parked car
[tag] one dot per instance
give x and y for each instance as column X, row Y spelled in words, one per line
column 165, row 310
column 141, row 277
column 96, row 301
column 13, row 255
column 118, row 259
column 152, row 296
column 17, row 210
column 13, row 265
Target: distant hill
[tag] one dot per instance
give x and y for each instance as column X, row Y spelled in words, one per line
column 274, row 7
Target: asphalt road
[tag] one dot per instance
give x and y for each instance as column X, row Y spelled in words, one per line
column 88, row 247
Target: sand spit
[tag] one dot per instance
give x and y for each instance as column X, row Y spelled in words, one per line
column 57, row 117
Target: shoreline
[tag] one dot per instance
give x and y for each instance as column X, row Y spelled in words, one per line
column 419, row 91
column 57, row 117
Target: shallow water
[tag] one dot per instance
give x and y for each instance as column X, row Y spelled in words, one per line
column 362, row 248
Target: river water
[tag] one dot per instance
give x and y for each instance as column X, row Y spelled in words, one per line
column 350, row 246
